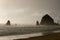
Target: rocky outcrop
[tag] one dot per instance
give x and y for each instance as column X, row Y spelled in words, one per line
column 8, row 22
column 47, row 20
column 37, row 23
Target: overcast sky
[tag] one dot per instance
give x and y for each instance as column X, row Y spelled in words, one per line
column 28, row 11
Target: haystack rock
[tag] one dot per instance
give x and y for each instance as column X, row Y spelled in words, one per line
column 47, row 20
column 8, row 22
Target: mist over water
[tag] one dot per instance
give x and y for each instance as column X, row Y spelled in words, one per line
column 15, row 32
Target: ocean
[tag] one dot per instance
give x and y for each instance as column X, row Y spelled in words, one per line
column 25, row 31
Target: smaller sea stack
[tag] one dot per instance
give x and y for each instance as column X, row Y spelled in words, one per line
column 37, row 23
column 8, row 22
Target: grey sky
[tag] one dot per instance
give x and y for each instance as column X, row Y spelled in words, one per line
column 28, row 11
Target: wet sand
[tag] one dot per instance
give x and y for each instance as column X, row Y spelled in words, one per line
column 53, row 36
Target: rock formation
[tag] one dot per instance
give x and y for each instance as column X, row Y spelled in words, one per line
column 47, row 20
column 37, row 22
column 8, row 22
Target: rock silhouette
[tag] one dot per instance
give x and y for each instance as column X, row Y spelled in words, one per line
column 47, row 20
column 37, row 22
column 8, row 22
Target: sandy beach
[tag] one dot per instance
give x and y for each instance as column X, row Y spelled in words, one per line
column 53, row 36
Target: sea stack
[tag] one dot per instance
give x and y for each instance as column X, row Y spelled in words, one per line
column 37, row 23
column 8, row 22
column 47, row 20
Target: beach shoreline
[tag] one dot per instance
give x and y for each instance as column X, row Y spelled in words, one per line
column 53, row 36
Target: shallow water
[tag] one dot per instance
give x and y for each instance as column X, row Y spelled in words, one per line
column 20, row 36
column 16, row 32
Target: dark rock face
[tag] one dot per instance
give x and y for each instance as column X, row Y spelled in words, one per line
column 47, row 20
column 8, row 22
column 37, row 22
